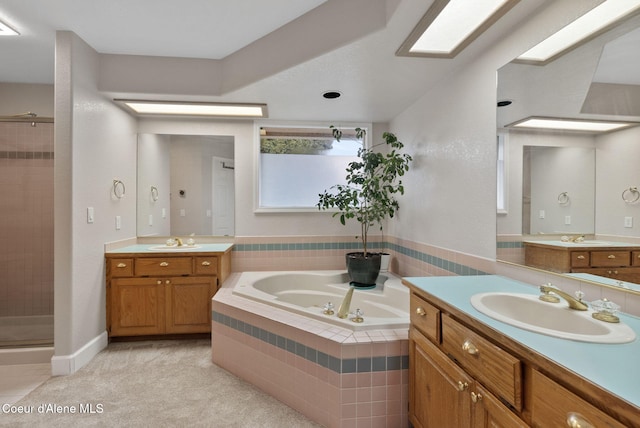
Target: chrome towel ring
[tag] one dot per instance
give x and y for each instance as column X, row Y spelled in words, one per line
column 631, row 195
column 563, row 198
column 118, row 188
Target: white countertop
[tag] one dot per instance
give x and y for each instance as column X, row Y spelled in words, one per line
column 146, row 248
column 586, row 244
column 614, row 367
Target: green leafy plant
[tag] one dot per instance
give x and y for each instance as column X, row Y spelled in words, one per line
column 372, row 183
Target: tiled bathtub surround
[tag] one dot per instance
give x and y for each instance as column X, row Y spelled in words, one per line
column 328, row 253
column 335, row 376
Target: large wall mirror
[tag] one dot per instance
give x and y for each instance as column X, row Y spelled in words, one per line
column 560, row 183
column 185, row 185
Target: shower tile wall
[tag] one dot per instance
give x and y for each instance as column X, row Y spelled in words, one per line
column 26, row 225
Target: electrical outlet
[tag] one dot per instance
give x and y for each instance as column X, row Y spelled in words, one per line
column 541, row 214
column 567, row 219
column 628, row 222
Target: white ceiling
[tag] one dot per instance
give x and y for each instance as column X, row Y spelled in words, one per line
column 357, row 58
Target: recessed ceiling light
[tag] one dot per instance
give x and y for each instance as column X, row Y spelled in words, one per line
column 582, row 29
column 561, row 124
column 330, row 95
column 450, row 25
column 5, row 30
column 178, row 108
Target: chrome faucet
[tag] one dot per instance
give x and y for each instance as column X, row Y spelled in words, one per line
column 343, row 310
column 574, row 303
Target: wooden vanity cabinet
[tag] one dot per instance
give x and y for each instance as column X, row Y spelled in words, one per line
column 620, row 263
column 464, row 374
column 163, row 294
column 445, row 392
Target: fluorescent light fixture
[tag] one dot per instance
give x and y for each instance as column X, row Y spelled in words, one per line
column 179, row 108
column 450, row 25
column 5, row 30
column 582, row 29
column 560, row 124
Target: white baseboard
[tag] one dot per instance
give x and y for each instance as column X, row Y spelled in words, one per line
column 40, row 355
column 62, row 365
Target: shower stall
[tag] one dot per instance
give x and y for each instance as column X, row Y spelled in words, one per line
column 26, row 231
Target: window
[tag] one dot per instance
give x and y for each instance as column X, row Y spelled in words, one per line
column 296, row 164
column 502, row 175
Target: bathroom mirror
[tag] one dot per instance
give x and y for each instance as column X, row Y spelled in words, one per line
column 600, row 79
column 185, row 185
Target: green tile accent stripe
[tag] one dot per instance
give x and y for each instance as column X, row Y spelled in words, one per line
column 438, row 262
column 341, row 366
column 512, row 244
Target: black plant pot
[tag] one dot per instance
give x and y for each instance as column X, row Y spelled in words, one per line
column 363, row 270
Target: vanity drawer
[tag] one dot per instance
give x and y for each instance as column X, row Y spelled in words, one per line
column 610, row 258
column 206, row 265
column 160, row 266
column 425, row 317
column 121, row 267
column 635, row 258
column 580, row 259
column 498, row 370
column 552, row 405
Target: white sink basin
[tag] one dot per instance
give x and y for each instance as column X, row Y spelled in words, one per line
column 173, row 248
column 526, row 311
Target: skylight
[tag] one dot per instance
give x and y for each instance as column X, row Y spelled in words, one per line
column 5, row 30
column 588, row 25
column 450, row 25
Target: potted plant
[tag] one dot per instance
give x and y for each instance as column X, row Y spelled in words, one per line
column 368, row 196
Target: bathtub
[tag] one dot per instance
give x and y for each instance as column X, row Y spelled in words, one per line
column 385, row 307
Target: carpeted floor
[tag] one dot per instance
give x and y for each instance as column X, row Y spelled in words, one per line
column 152, row 384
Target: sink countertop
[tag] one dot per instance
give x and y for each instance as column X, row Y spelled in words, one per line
column 145, row 248
column 587, row 244
column 613, row 367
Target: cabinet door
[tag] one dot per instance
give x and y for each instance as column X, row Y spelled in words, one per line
column 137, row 306
column 189, row 304
column 438, row 389
column 489, row 412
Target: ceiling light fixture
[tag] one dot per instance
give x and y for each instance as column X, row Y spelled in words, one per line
column 180, row 108
column 588, row 26
column 451, row 25
column 561, row 124
column 5, row 30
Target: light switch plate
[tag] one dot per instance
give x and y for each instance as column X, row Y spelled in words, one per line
column 628, row 222
column 90, row 216
column 118, row 222
column 567, row 219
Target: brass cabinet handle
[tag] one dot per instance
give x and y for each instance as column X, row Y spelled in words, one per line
column 206, row 263
column 164, row 264
column 159, row 282
column 576, row 420
column 469, row 347
column 611, row 256
column 476, row 397
column 581, row 257
column 167, row 282
column 420, row 311
column 462, row 385
column 121, row 265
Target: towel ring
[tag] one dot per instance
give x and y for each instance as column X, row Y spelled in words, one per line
column 154, row 193
column 563, row 198
column 633, row 195
column 118, row 189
